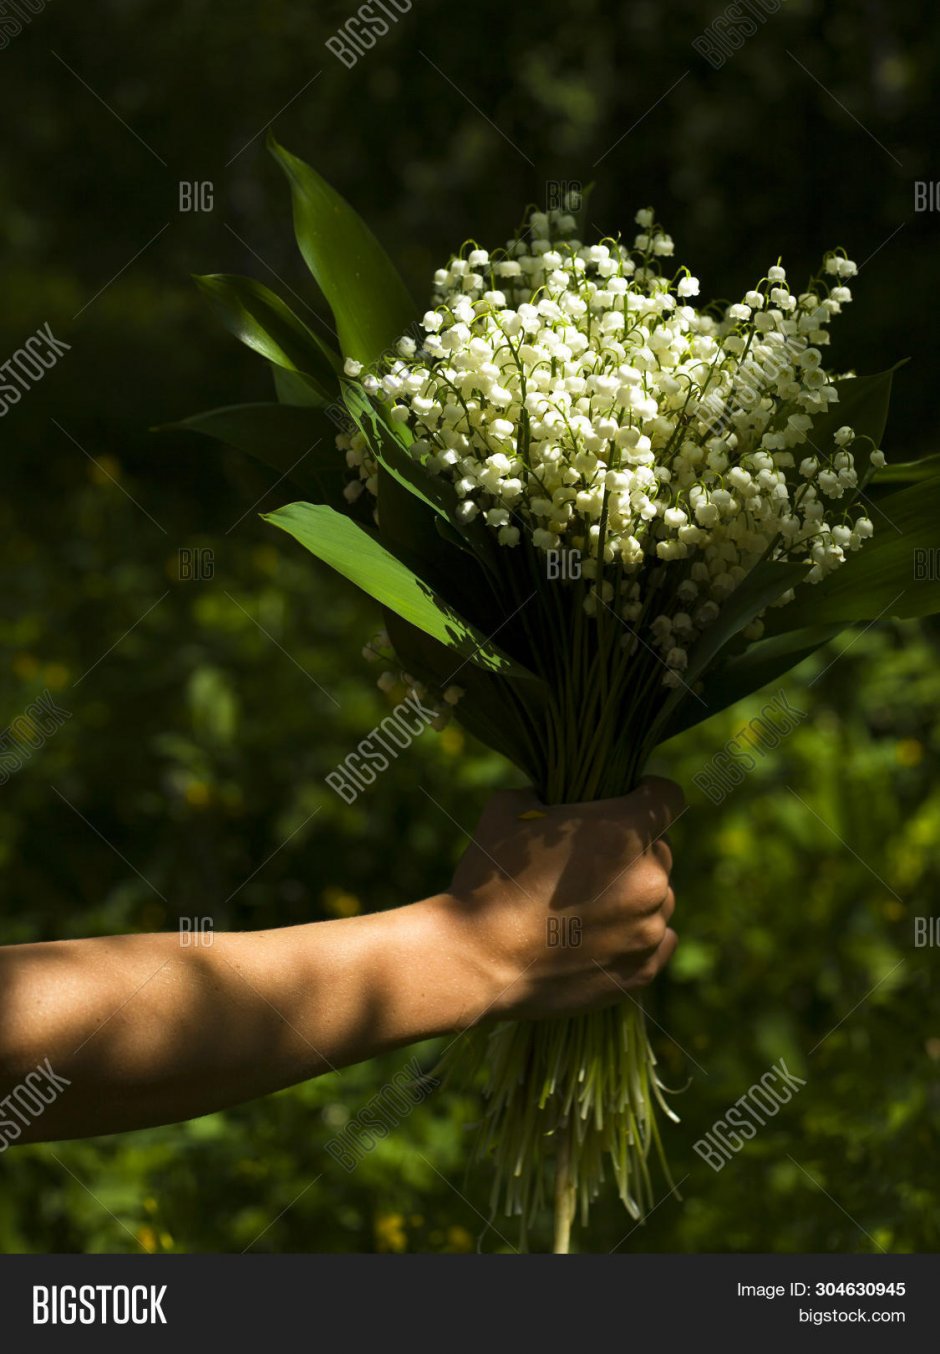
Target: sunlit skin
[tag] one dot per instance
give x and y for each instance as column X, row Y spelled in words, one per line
column 149, row 1030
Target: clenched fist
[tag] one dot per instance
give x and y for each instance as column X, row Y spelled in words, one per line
column 563, row 909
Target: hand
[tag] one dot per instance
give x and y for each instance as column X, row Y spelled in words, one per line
column 568, row 910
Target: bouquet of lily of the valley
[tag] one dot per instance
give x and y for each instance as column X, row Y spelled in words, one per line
column 594, row 512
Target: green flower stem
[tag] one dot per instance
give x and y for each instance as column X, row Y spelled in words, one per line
column 564, row 1192
column 586, row 1083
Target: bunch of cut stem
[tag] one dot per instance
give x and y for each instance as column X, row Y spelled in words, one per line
column 588, row 1085
column 584, row 1089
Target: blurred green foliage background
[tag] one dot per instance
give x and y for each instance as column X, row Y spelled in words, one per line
column 199, row 733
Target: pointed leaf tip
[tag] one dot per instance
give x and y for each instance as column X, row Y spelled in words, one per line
column 369, row 300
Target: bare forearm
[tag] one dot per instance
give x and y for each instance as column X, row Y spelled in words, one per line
column 148, row 1032
column 142, row 1030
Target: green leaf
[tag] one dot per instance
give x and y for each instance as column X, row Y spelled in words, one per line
column 907, row 472
column 260, row 319
column 410, row 503
column 742, row 674
column 389, row 444
column 293, row 387
column 369, row 301
column 863, row 406
column 486, row 709
column 366, row 563
column 763, row 585
column 891, row 576
column 418, row 514
column 409, row 529
column 295, row 441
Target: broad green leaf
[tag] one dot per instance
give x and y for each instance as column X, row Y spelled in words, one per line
column 369, row 301
column 907, row 472
column 298, row 443
column 412, row 508
column 742, row 674
column 409, row 529
column 389, row 443
column 763, row 585
column 487, row 708
column 260, row 319
column 862, row 404
column 893, row 575
column 366, row 563
column 293, row 387
column 417, row 511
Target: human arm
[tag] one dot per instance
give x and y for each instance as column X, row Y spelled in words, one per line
column 145, row 1030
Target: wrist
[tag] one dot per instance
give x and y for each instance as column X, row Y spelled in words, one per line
column 453, row 983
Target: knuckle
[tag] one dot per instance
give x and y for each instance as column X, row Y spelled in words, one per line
column 662, row 852
column 650, row 883
column 653, row 932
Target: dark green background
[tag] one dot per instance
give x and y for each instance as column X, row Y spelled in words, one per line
column 197, row 746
